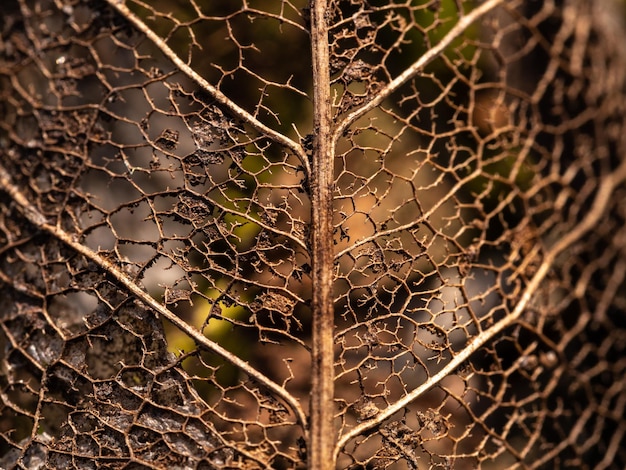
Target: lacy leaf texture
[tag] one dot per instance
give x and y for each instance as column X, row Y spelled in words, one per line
column 353, row 234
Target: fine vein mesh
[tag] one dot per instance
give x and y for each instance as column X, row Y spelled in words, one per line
column 459, row 202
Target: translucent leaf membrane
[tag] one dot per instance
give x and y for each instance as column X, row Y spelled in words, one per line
column 155, row 261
